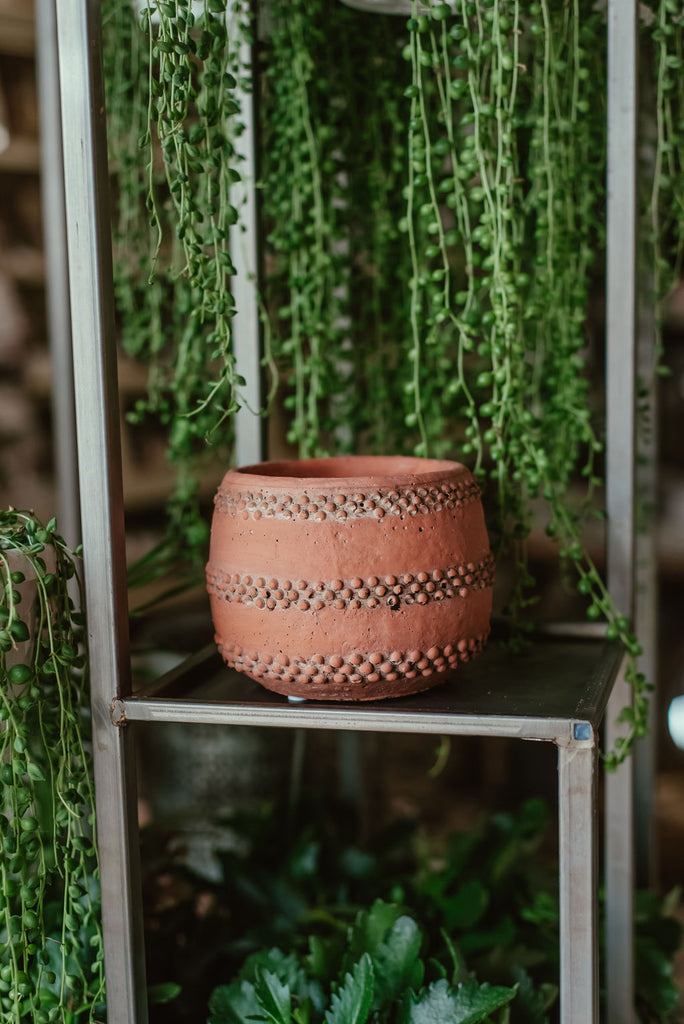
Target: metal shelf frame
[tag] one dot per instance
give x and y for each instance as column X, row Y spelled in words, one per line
column 559, row 697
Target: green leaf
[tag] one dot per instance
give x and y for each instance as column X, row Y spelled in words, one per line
column 234, row 1004
column 501, row 934
column 470, row 1003
column 371, row 927
column 274, row 997
column 286, row 968
column 35, row 772
column 352, row 1004
column 357, row 863
column 304, row 860
column 544, row 908
column 533, row 1001
column 396, row 962
column 325, row 955
column 467, row 906
column 165, row 992
column 48, row 999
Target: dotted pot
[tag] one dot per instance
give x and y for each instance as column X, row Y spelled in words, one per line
column 352, row 578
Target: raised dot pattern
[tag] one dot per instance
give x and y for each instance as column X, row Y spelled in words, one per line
column 393, row 590
column 356, row 669
column 375, row 505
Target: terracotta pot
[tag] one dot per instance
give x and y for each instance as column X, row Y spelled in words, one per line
column 352, row 578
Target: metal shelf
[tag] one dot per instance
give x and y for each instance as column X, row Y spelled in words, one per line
column 555, row 691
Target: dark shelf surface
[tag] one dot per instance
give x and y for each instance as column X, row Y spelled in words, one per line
column 555, row 690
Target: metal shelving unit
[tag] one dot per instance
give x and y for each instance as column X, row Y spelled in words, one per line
column 557, row 693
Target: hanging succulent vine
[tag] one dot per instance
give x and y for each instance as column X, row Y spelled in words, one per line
column 433, row 203
column 456, row 297
column 172, row 93
column 529, row 197
column 664, row 29
column 317, row 169
column 302, row 218
column 51, row 953
column 376, row 148
column 504, row 204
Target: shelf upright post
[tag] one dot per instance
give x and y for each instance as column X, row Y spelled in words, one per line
column 578, row 877
column 621, row 331
column 102, row 513
column 57, row 272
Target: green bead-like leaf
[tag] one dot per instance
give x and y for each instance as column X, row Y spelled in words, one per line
column 35, row 772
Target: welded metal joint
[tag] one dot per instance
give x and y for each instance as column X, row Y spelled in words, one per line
column 117, row 713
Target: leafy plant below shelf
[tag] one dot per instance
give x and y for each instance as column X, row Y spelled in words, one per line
column 371, row 973
column 485, row 899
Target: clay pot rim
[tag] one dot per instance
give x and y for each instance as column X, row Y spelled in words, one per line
column 355, row 470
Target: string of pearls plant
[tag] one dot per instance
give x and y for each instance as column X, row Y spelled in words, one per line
column 665, row 211
column 171, row 80
column 433, row 206
column 51, row 953
column 504, row 193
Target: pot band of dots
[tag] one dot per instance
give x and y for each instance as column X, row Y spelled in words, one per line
column 376, row 504
column 355, row 668
column 374, row 591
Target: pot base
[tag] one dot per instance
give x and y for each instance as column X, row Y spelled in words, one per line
column 355, row 677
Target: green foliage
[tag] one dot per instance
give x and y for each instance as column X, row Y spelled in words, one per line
column 306, row 906
column 333, row 169
column 166, row 992
column 173, row 123
column 658, row 937
column 434, row 216
column 463, row 156
column 433, row 225
column 378, row 978
column 664, row 51
column 466, row 1004
column 481, row 344
column 51, row 954
column 352, row 1003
